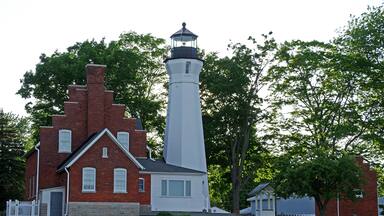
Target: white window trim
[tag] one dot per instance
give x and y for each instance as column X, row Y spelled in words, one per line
column 104, row 153
column 123, row 133
column 60, row 150
column 125, row 180
column 143, row 185
column 168, row 188
column 94, row 180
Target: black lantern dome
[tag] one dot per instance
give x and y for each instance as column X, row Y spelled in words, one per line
column 184, row 44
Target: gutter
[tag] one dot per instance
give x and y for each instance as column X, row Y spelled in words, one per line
column 67, row 193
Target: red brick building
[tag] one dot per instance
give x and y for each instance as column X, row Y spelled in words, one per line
column 367, row 201
column 95, row 161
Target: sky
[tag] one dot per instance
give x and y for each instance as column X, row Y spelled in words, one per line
column 30, row 28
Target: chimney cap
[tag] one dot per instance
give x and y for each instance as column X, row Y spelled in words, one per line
column 95, row 65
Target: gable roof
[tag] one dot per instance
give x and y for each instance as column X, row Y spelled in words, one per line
column 75, row 155
column 258, row 188
column 159, row 166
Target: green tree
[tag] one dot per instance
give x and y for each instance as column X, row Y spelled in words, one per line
column 314, row 91
column 325, row 105
column 134, row 72
column 362, row 39
column 321, row 177
column 232, row 115
column 13, row 132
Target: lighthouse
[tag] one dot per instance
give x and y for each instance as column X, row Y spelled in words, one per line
column 184, row 139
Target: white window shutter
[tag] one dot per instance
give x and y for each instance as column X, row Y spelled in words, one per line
column 164, row 191
column 188, row 188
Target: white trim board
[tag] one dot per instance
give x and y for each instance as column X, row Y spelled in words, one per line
column 113, row 138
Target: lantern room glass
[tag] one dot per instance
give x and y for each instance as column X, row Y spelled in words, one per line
column 184, row 41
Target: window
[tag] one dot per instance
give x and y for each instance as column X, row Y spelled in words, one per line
column 188, row 188
column 89, row 179
column 358, row 193
column 187, row 67
column 105, row 152
column 177, row 188
column 141, row 185
column 123, row 138
column 163, row 187
column 65, row 140
column 119, row 180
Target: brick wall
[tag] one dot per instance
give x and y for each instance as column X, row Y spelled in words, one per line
column 89, row 109
column 104, row 176
column 367, row 206
column 145, row 197
column 30, row 173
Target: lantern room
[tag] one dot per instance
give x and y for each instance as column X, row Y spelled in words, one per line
column 184, row 44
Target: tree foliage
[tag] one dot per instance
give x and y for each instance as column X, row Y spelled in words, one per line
column 318, row 117
column 327, row 99
column 134, row 72
column 13, row 132
column 323, row 178
column 232, row 111
column 362, row 39
column 316, row 99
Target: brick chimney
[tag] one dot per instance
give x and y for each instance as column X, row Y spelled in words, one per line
column 95, row 86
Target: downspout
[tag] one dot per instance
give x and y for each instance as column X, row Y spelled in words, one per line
column 37, row 171
column 67, row 193
column 150, row 152
column 37, row 177
column 338, row 205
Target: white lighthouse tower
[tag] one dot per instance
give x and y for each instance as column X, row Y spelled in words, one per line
column 184, row 140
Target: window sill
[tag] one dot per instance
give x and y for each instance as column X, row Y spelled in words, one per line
column 141, row 191
column 65, row 152
column 120, row 192
column 185, row 197
column 88, row 191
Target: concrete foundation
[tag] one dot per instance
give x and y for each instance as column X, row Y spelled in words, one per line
column 103, row 209
column 145, row 209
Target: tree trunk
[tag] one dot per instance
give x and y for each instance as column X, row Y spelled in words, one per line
column 322, row 206
column 235, row 190
column 321, row 211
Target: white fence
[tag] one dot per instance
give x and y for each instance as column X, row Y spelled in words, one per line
column 22, row 208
